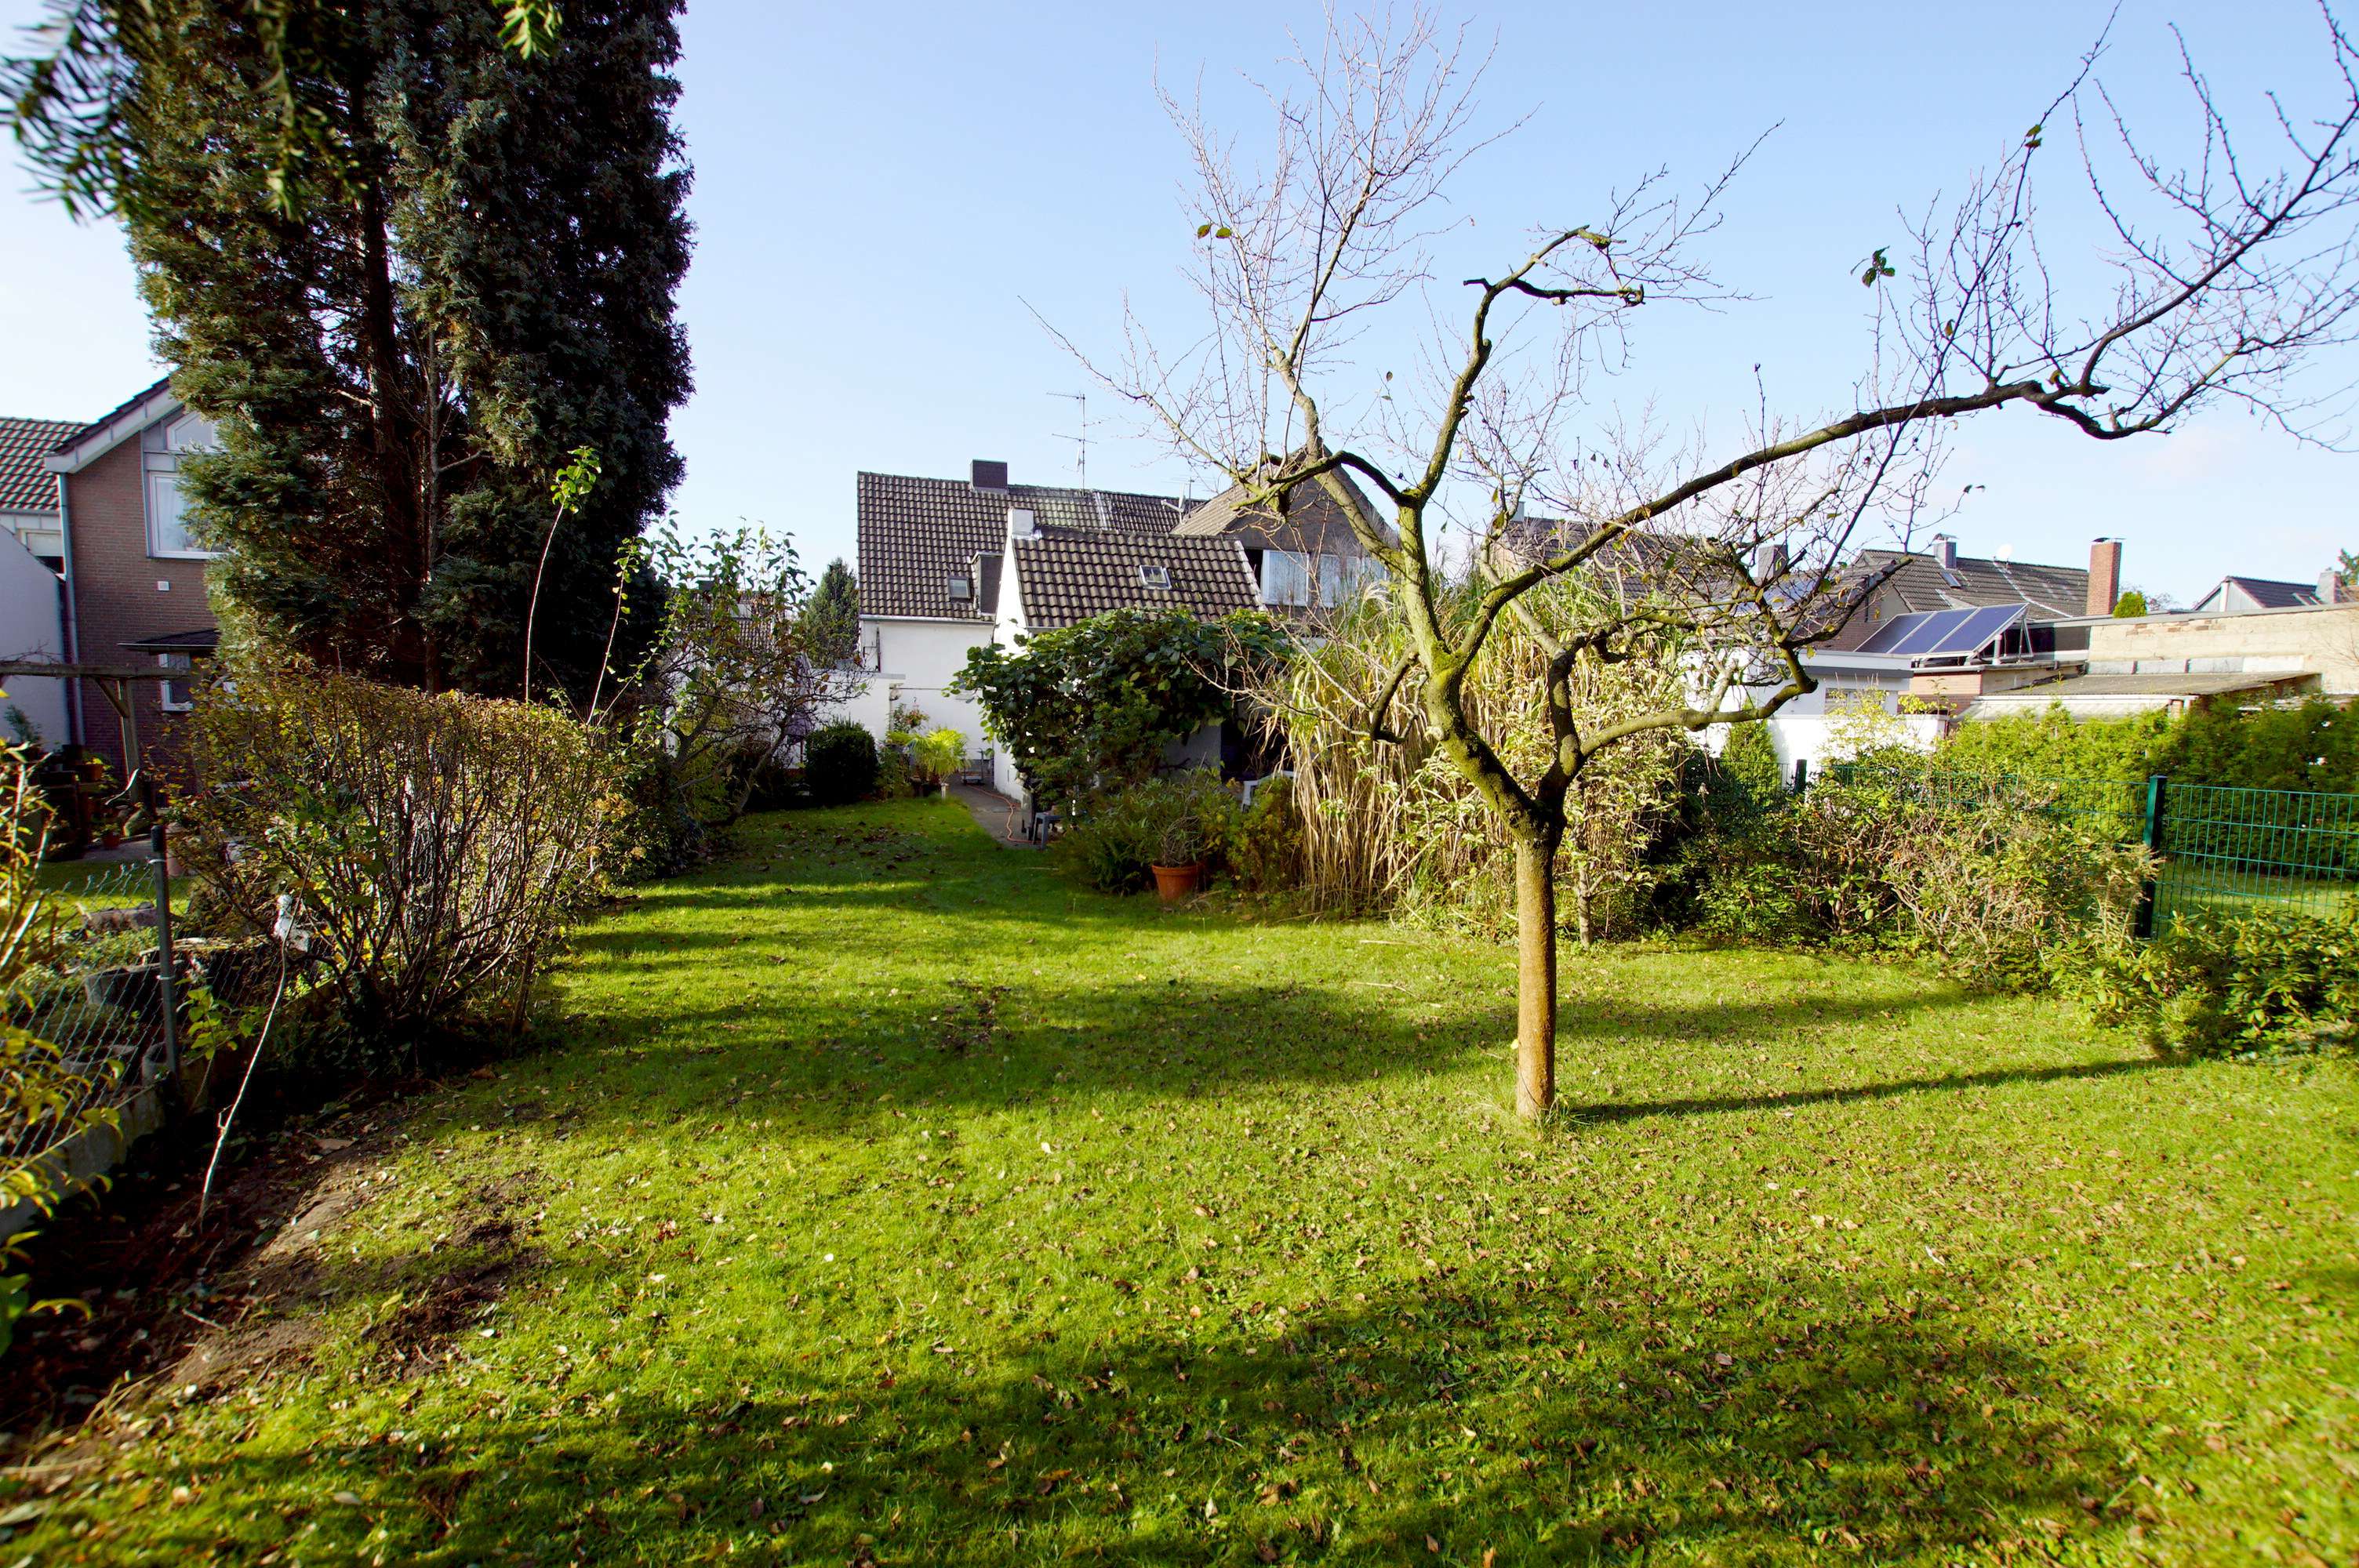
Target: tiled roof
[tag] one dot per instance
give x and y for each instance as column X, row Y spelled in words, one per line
column 916, row 534
column 26, row 484
column 1921, row 583
column 2273, row 595
column 78, row 434
column 1636, row 559
column 1068, row 577
column 1312, row 523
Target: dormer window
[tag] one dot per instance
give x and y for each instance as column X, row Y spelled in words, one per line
column 1157, row 577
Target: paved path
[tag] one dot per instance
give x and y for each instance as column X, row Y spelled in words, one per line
column 989, row 808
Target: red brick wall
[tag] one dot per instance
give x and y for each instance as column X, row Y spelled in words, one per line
column 115, row 597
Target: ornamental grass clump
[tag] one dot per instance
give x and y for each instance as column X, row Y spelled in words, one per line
column 425, row 852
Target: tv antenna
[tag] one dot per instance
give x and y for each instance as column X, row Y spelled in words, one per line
column 1082, row 440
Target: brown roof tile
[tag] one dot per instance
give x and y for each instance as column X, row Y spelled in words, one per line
column 1312, row 523
column 1921, row 583
column 26, row 484
column 916, row 534
column 1070, row 576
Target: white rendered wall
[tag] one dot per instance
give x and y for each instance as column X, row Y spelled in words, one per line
column 922, row 656
column 29, row 630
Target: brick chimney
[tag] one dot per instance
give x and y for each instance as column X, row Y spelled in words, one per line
column 2330, row 587
column 2104, row 574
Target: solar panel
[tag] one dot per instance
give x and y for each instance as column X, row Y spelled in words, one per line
column 1942, row 633
column 1978, row 627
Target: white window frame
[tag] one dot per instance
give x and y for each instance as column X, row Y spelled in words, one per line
column 189, row 433
column 164, row 697
column 1297, row 573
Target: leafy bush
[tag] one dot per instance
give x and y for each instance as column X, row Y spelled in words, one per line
column 894, row 778
column 1118, row 840
column 740, row 665
column 1266, row 852
column 437, row 848
column 1089, row 708
column 1996, row 887
column 2052, row 744
column 2313, row 745
column 36, row 1085
column 2271, row 978
column 938, row 753
column 840, row 763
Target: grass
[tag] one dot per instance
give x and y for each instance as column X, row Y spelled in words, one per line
column 890, row 1202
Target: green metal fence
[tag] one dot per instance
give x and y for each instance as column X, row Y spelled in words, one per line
column 2226, row 850
column 2221, row 851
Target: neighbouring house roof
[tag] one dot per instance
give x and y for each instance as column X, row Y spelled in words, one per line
column 1070, row 576
column 916, row 534
column 83, row 445
column 1312, row 523
column 1638, row 560
column 1922, row 582
column 25, row 483
column 2265, row 592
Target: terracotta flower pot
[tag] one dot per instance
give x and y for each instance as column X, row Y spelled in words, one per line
column 1173, row 883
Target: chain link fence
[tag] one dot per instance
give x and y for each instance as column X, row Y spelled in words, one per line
column 100, row 1002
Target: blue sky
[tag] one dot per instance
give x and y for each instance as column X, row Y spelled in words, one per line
column 879, row 194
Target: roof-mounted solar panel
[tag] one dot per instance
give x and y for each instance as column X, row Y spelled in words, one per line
column 1943, row 633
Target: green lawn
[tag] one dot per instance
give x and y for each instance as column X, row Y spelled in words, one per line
column 888, row 1200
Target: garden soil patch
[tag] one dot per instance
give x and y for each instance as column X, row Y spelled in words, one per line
column 171, row 1301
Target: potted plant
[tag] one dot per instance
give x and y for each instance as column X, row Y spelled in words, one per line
column 1178, row 866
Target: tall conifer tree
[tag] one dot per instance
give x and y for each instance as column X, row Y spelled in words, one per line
column 475, row 280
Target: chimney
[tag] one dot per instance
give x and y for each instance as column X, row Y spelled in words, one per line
column 1769, row 561
column 1945, row 552
column 2104, row 574
column 989, row 475
column 2330, row 587
column 1019, row 523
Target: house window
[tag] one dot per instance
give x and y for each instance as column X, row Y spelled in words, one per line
column 1331, row 580
column 174, row 694
column 962, row 586
column 169, row 533
column 1285, row 577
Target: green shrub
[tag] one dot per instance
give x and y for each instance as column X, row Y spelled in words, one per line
column 1266, row 851
column 894, row 779
column 936, row 755
column 840, row 763
column 1991, row 888
column 2052, row 744
column 436, row 848
column 1118, row 840
column 2273, row 979
column 1091, row 708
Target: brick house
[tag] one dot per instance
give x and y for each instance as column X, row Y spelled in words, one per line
column 134, row 577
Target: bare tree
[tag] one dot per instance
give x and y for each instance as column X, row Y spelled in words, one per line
column 2224, row 282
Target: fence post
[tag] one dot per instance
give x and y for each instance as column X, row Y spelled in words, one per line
column 1801, row 776
column 165, row 978
column 2157, row 791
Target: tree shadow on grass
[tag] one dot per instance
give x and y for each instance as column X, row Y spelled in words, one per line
column 833, row 1069
column 1791, row 1099
column 1588, row 1418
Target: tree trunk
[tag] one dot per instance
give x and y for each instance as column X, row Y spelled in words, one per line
column 1534, row 976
